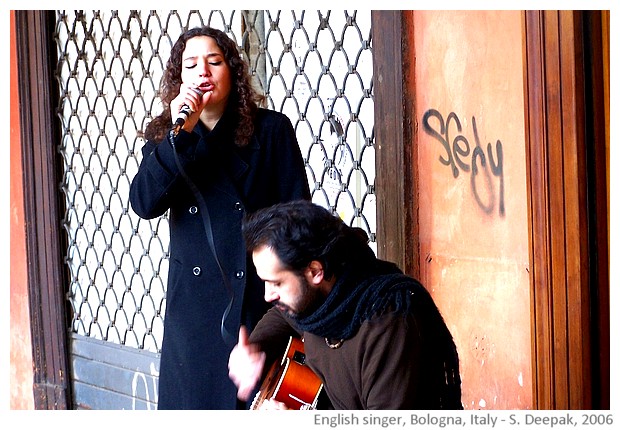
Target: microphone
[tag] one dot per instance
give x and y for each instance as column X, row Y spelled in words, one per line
column 185, row 111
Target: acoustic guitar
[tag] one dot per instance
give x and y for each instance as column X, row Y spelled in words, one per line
column 290, row 380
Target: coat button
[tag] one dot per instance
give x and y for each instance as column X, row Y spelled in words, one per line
column 196, row 271
column 240, row 274
column 239, row 206
column 193, row 210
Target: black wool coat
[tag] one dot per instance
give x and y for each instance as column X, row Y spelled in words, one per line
column 201, row 309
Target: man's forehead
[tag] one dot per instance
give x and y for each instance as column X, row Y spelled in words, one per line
column 266, row 261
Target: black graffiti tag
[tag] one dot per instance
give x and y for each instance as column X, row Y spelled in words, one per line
column 457, row 151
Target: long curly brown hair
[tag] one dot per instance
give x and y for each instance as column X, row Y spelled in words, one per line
column 242, row 95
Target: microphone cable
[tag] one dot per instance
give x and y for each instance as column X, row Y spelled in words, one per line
column 206, row 218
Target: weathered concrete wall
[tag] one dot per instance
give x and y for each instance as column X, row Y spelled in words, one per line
column 21, row 395
column 469, row 109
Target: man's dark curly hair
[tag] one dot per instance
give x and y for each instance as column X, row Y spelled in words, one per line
column 300, row 231
column 242, row 96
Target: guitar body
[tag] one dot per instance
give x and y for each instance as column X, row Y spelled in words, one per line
column 290, row 381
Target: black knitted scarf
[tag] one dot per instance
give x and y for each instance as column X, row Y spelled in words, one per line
column 356, row 297
column 374, row 287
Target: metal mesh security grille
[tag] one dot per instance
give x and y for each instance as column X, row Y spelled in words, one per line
column 316, row 67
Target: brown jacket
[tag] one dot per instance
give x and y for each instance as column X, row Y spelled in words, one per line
column 383, row 367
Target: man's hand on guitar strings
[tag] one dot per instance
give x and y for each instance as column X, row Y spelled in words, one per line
column 245, row 365
column 272, row 405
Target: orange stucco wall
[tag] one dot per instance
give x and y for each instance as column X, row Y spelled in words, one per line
column 469, row 109
column 21, row 375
